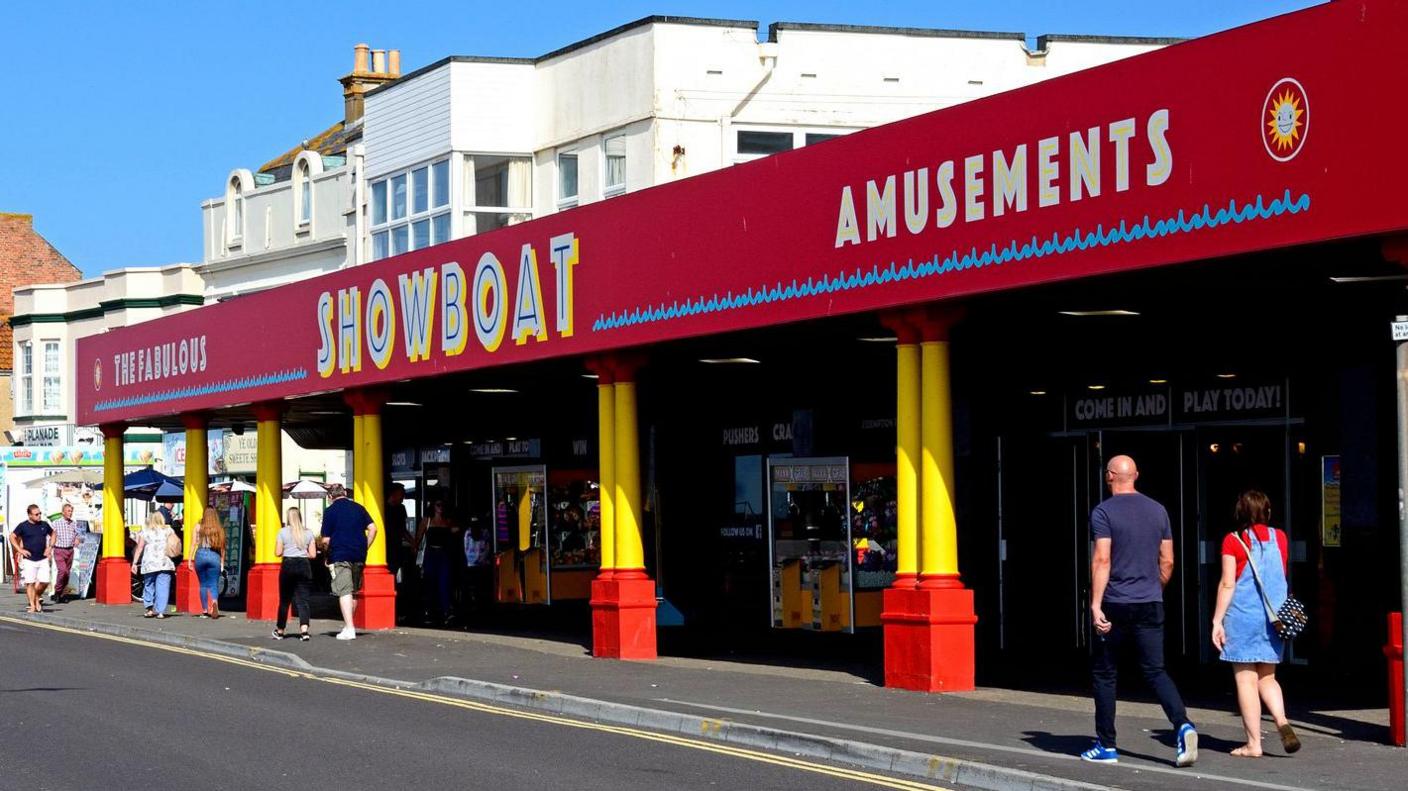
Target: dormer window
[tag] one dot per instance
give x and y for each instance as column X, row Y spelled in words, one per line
column 236, row 188
column 306, row 166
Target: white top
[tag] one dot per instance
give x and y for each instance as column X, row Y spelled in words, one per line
column 154, row 550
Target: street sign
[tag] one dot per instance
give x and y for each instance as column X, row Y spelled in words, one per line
column 1400, row 329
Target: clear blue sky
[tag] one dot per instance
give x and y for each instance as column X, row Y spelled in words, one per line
column 119, row 118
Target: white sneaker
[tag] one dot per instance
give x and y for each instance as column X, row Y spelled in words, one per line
column 347, row 633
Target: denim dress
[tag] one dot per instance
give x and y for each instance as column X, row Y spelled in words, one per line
column 1250, row 636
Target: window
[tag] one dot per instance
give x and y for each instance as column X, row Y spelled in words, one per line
column 303, row 186
column 498, row 192
column 566, row 179
column 764, row 142
column 755, row 143
column 614, row 148
column 51, row 378
column 26, row 378
column 410, row 210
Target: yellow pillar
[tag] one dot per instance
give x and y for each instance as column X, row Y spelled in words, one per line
column 369, row 466
column 114, row 523
column 268, row 484
column 630, row 554
column 906, row 462
column 358, row 455
column 939, row 529
column 606, row 436
column 197, row 478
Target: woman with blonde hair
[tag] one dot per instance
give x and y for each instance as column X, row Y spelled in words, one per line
column 297, row 547
column 155, row 564
column 209, row 546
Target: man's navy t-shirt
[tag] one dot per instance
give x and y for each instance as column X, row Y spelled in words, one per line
column 1136, row 526
column 345, row 527
column 34, row 536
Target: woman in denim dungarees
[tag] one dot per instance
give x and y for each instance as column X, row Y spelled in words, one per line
column 1241, row 628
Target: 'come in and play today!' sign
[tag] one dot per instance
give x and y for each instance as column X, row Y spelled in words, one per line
column 1246, row 140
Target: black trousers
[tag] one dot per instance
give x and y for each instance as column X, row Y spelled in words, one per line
column 295, row 582
column 1140, row 627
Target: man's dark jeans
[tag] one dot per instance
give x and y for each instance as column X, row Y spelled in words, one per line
column 1143, row 626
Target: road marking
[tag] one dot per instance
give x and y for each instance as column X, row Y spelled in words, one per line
column 635, row 733
column 1027, row 751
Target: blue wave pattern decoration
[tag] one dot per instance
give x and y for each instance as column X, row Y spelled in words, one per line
column 230, row 386
column 1075, row 241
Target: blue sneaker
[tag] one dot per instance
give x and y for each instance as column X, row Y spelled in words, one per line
column 1100, row 754
column 1187, row 746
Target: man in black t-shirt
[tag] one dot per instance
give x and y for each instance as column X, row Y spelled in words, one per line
column 1133, row 560
column 347, row 532
column 33, row 543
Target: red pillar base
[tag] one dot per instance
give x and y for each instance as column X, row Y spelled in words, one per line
column 261, row 599
column 187, row 590
column 929, row 639
column 376, row 602
column 114, row 584
column 623, row 618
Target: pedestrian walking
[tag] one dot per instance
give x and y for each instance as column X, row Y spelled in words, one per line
column 1133, row 560
column 208, row 561
column 1255, row 559
column 438, row 534
column 153, row 552
column 346, row 533
column 68, row 535
column 297, row 547
column 33, row 543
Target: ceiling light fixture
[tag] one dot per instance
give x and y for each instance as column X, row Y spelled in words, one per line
column 878, row 339
column 1094, row 313
column 492, row 390
column 730, row 361
column 1158, row 381
column 1036, row 392
column 1226, row 376
column 590, row 376
column 1094, row 387
column 403, row 403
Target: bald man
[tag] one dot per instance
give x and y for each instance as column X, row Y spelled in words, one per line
column 1133, row 561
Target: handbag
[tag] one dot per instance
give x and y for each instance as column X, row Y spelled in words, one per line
column 1288, row 621
column 173, row 544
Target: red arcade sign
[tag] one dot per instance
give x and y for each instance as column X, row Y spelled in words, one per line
column 1269, row 135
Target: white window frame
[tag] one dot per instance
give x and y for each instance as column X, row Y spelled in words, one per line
column 470, row 191
column 391, row 226
column 306, row 166
column 46, row 408
column 607, row 188
column 25, row 353
column 799, row 137
column 566, row 201
column 237, row 189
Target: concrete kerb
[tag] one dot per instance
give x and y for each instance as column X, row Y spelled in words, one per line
column 860, row 754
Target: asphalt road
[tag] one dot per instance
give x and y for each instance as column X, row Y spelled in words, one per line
column 83, row 712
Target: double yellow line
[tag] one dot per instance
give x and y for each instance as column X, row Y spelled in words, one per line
column 552, row 719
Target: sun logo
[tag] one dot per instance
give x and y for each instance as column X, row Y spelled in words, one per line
column 1285, row 120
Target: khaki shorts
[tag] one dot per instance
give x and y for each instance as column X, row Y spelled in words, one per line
column 346, row 578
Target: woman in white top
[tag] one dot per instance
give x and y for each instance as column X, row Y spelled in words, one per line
column 297, row 547
column 155, row 565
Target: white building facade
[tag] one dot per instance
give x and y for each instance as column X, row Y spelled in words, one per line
column 469, row 144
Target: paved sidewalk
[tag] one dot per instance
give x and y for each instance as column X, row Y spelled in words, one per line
column 1030, row 731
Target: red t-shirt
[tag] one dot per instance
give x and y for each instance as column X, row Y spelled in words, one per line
column 1263, row 533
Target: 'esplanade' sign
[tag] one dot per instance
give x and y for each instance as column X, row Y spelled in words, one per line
column 1248, row 140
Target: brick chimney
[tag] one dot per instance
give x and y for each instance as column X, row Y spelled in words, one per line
column 370, row 68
